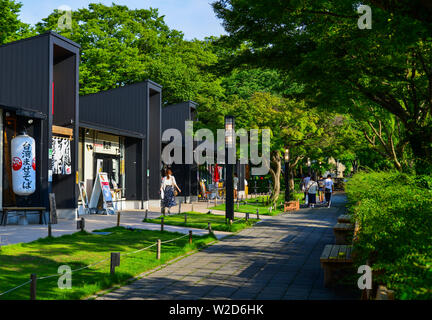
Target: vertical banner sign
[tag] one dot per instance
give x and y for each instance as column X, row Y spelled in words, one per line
column 23, row 165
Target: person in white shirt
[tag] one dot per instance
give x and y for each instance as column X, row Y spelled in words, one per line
column 305, row 183
column 312, row 189
column 167, row 191
column 328, row 188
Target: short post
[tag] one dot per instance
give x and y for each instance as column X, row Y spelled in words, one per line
column 162, row 224
column 247, row 216
column 81, row 224
column 158, row 251
column 179, row 206
column 190, row 236
column 238, row 205
column 257, row 212
column 49, row 230
column 146, row 215
column 210, row 228
column 270, row 209
column 33, row 280
column 115, row 261
column 118, row 219
column 192, row 208
column 185, row 218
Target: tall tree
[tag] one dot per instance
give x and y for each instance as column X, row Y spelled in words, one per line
column 292, row 124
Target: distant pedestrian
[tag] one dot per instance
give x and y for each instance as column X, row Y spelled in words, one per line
column 328, row 185
column 321, row 186
column 167, row 189
column 305, row 183
column 312, row 189
column 236, row 182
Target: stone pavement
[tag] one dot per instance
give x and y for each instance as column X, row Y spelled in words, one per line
column 276, row 259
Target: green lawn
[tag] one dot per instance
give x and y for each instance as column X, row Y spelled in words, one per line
column 260, row 203
column 201, row 220
column 44, row 257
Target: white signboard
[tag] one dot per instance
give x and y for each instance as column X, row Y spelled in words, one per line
column 102, row 186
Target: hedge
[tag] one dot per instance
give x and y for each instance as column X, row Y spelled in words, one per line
column 395, row 215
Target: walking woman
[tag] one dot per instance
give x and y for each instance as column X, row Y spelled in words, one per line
column 328, row 184
column 168, row 187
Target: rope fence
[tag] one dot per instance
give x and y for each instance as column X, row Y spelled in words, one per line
column 158, row 244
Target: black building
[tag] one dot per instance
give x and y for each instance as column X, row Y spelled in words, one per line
column 174, row 117
column 39, row 81
column 121, row 134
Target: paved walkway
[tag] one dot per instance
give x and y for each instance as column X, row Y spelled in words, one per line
column 277, row 259
column 13, row 234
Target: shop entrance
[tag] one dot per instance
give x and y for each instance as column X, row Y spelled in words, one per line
column 111, row 165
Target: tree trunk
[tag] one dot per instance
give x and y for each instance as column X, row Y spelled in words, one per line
column 275, row 171
column 420, row 144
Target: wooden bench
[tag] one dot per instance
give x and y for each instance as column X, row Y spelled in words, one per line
column 291, row 206
column 334, row 259
column 344, row 218
column 6, row 211
column 343, row 233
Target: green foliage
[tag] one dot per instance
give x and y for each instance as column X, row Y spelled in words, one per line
column 121, row 46
column 318, row 44
column 394, row 211
column 11, row 28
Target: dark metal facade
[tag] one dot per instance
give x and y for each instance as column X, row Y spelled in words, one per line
column 28, row 69
column 132, row 111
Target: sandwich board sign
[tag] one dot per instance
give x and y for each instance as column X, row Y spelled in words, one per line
column 84, row 207
column 102, row 186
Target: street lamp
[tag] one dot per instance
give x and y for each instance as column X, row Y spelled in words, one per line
column 287, row 175
column 230, row 144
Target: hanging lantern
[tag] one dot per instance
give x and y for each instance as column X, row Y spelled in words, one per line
column 23, row 165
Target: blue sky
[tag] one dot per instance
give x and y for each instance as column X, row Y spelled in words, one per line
column 194, row 17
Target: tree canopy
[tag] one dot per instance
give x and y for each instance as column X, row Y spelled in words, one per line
column 11, row 28
column 319, row 44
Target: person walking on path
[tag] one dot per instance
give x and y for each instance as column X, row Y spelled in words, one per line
column 236, row 182
column 312, row 189
column 304, row 185
column 328, row 185
column 321, row 186
column 167, row 189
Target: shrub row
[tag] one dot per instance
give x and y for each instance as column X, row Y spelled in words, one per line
column 394, row 211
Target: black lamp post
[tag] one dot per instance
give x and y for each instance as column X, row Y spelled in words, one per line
column 230, row 143
column 287, row 175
